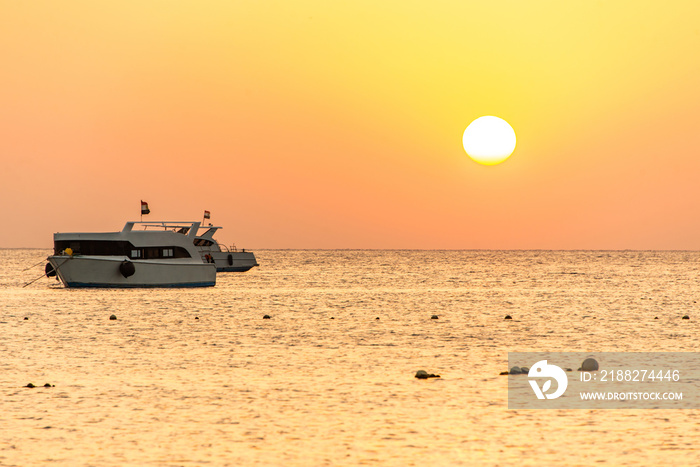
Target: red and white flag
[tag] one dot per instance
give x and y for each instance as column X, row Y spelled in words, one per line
column 144, row 208
column 207, row 215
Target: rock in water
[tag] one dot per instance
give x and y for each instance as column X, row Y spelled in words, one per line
column 422, row 374
column 266, row 317
column 508, row 317
column 113, row 317
column 515, row 370
column 434, row 317
column 589, row 364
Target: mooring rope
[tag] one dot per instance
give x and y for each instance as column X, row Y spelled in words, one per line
column 33, row 266
column 56, row 269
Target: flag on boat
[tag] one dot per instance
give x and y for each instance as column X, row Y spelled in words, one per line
column 144, row 208
column 207, row 215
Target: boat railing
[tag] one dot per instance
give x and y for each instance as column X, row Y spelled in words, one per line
column 182, row 227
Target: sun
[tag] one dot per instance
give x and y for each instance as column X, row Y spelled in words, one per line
column 489, row 140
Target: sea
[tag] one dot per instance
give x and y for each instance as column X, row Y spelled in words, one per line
column 198, row 377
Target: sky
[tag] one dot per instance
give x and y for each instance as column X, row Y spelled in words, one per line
column 318, row 124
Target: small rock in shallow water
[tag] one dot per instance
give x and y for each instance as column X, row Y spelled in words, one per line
column 113, row 317
column 434, row 317
column 266, row 317
column 686, row 317
column 503, row 373
column 25, row 318
column 524, row 369
column 589, row 364
column 47, row 385
column 422, row 374
column 515, row 370
column 508, row 317
column 30, row 385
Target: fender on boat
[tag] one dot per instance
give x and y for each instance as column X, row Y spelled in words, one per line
column 127, row 268
column 49, row 270
column 230, row 259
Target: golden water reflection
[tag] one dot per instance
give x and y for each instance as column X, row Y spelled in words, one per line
column 192, row 377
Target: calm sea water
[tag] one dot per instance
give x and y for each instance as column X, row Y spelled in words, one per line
column 197, row 377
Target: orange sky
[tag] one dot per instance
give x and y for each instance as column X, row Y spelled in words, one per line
column 314, row 124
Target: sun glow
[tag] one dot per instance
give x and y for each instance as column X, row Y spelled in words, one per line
column 489, row 140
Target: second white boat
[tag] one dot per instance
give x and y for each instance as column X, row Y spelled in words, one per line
column 227, row 259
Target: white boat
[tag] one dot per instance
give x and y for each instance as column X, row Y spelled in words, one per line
column 227, row 259
column 155, row 254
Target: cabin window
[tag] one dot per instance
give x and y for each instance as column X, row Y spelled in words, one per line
column 159, row 252
column 119, row 248
column 94, row 247
column 180, row 252
column 151, row 252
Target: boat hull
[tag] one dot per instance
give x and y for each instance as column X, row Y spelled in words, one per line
column 234, row 261
column 102, row 271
